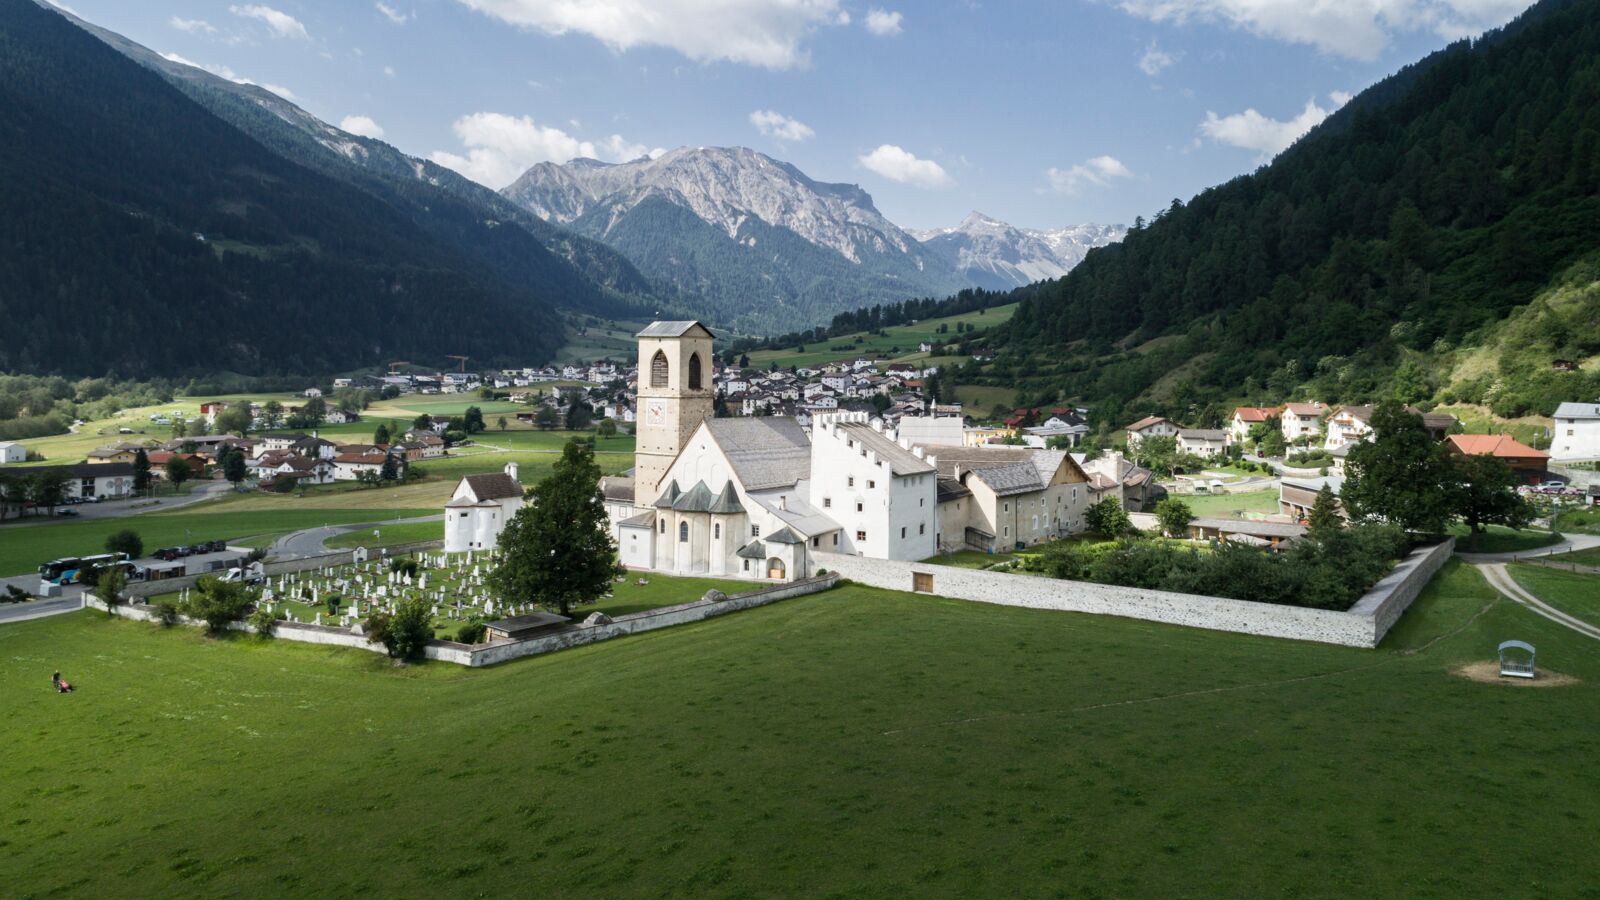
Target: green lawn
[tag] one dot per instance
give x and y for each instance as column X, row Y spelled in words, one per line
column 970, row 559
column 1586, row 521
column 24, row 547
column 1231, row 506
column 1500, row 539
column 389, row 535
column 1574, row 593
column 1590, row 557
column 857, row 742
column 979, row 398
column 901, row 342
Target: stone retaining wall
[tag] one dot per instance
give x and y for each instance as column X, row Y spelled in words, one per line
column 478, row 655
column 1364, row 625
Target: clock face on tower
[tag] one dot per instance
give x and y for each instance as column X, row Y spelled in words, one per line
column 655, row 412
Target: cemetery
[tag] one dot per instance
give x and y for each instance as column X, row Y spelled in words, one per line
column 455, row 583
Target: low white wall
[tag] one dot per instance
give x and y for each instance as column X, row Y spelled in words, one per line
column 650, row 620
column 1363, row 626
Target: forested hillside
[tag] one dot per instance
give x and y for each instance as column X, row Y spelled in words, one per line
column 145, row 236
column 1366, row 260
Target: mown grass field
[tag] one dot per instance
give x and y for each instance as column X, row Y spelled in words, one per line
column 854, row 743
column 1500, row 539
column 1574, row 593
column 1590, row 557
column 900, row 344
column 1232, row 506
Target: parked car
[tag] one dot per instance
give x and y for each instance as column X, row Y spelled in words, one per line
column 1555, row 484
column 217, row 546
column 197, row 549
column 248, row 575
column 66, row 512
column 166, row 554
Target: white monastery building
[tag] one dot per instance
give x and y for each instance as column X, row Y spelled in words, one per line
column 754, row 497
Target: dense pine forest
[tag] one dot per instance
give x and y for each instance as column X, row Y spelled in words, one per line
column 1376, row 257
column 144, row 236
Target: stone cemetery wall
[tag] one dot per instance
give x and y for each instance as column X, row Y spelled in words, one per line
column 1364, row 625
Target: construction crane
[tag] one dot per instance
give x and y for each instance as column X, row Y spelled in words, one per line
column 463, row 360
column 394, row 367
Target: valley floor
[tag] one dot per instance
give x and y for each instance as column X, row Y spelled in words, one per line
column 857, row 742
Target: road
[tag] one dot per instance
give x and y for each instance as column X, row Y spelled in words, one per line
column 1572, row 542
column 309, row 542
column 38, row 609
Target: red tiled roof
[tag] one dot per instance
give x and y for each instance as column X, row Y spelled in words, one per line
column 1494, row 445
column 1253, row 413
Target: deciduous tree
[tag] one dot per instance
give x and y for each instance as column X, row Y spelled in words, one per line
column 557, row 550
column 1487, row 495
column 1400, row 476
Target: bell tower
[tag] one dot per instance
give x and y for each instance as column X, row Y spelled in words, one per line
column 675, row 396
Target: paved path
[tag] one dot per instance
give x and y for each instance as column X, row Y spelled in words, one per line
column 1570, row 543
column 38, row 609
column 1501, row 580
column 311, row 541
column 117, row 509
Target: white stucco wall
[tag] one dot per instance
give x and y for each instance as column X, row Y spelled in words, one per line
column 1364, row 625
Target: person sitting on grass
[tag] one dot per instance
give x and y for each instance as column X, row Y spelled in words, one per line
column 62, row 687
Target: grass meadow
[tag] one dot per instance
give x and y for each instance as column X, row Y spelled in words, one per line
column 1575, row 593
column 899, row 345
column 853, row 743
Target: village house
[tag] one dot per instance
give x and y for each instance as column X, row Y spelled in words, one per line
column 1576, row 432
column 92, row 481
column 1114, row 476
column 1206, row 443
column 1301, row 421
column 1150, row 426
column 1296, row 496
column 1246, row 417
column 1529, row 465
column 115, row 453
column 12, row 452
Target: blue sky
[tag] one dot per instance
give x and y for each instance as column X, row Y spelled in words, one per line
column 1039, row 113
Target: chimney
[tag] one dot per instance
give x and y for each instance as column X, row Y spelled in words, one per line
column 511, row 469
column 783, row 502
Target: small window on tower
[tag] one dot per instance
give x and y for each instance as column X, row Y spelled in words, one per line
column 694, row 372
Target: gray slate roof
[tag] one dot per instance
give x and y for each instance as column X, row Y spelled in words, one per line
column 1203, row 434
column 786, row 535
column 901, row 461
column 765, row 452
column 646, row 519
column 1245, row 526
column 696, row 499
column 1006, row 470
column 727, row 502
column 668, row 496
column 1578, row 411
column 494, row 486
column 671, row 329
column 753, row 550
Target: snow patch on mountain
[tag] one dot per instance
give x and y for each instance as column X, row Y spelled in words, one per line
column 994, row 254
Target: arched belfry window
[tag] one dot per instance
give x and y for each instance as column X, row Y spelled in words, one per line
column 694, row 372
column 658, row 370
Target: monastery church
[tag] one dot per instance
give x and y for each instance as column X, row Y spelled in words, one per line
column 760, row 497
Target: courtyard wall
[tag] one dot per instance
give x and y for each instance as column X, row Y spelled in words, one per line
column 1363, row 625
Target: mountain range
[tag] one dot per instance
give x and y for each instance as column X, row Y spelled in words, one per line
column 757, row 244
column 989, row 253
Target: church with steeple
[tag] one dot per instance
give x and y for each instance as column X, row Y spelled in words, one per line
column 757, row 497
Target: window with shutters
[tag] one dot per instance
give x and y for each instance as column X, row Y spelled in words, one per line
column 658, row 370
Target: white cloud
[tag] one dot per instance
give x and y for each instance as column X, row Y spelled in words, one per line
column 362, row 125
column 1096, row 172
column 192, row 26
column 900, row 165
column 1251, row 130
column 882, row 22
column 1155, row 59
column 777, row 125
column 392, row 14
column 501, row 147
column 1357, row 29
column 767, row 33
column 231, row 75
column 281, row 23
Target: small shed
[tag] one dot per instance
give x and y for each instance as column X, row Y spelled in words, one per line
column 519, row 628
